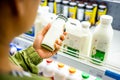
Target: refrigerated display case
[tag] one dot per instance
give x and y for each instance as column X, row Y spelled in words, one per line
column 111, row 68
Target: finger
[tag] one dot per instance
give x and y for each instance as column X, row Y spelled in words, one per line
column 45, row 29
column 65, row 33
column 62, row 37
column 57, row 47
column 59, row 42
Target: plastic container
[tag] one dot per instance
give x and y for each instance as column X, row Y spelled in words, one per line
column 102, row 10
column 72, row 40
column 65, row 6
column 60, row 73
column 88, row 12
column 43, row 18
column 80, row 11
column 41, row 67
column 72, row 74
column 49, row 69
column 56, row 29
column 51, row 6
column 72, row 10
column 86, row 39
column 58, row 6
column 101, row 41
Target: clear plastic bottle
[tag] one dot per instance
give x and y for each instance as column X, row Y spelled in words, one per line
column 56, row 29
column 101, row 41
column 60, row 73
column 49, row 69
column 86, row 39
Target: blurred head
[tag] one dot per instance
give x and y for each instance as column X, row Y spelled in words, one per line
column 17, row 16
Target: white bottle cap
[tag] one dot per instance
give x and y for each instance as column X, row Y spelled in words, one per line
column 85, row 24
column 89, row 7
column 81, row 5
column 73, row 3
column 106, row 19
column 58, row 0
column 102, row 6
column 65, row 1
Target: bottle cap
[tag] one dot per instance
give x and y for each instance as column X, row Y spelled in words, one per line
column 49, row 60
column 81, row 5
column 98, row 79
column 85, row 75
column 85, row 24
column 72, row 70
column 102, row 6
column 65, row 1
column 58, row 0
column 89, row 6
column 106, row 19
column 60, row 65
column 73, row 3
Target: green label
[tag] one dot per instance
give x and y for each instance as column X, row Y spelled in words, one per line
column 99, row 55
column 72, row 52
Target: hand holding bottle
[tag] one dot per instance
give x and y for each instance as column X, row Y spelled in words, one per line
column 44, row 53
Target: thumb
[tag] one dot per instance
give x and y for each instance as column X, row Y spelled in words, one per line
column 45, row 29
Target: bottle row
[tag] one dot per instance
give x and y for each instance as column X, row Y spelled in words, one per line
column 79, row 39
column 83, row 10
column 59, row 71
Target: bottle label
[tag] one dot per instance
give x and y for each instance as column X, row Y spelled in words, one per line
column 73, row 45
column 88, row 15
column 65, row 11
column 50, row 4
column 80, row 14
column 59, row 8
column 72, row 12
column 99, row 50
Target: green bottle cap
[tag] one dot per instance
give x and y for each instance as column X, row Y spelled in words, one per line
column 98, row 79
column 85, row 75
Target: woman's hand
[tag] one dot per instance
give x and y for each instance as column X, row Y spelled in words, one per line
column 44, row 53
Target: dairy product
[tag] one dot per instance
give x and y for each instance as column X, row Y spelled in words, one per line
column 56, row 29
column 49, row 68
column 101, row 41
column 86, row 39
column 61, row 72
column 72, row 41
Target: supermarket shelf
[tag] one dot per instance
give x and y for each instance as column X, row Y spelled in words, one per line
column 81, row 64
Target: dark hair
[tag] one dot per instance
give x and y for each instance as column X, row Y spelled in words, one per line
column 10, row 3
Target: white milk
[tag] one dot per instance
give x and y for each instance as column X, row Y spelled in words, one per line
column 101, row 41
column 72, row 40
column 43, row 18
column 54, row 33
column 86, row 39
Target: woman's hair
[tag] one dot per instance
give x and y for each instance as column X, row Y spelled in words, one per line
column 10, row 3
